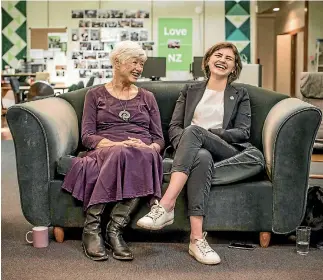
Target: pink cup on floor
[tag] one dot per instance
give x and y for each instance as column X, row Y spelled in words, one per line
column 39, row 237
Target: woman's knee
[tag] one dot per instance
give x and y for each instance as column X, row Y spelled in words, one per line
column 204, row 157
column 193, row 129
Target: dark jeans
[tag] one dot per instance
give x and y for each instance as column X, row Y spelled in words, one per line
column 209, row 160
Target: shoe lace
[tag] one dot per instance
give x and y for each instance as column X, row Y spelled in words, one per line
column 203, row 245
column 156, row 211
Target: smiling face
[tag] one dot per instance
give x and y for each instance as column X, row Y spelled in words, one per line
column 130, row 70
column 222, row 63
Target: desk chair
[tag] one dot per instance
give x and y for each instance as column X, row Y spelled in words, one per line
column 40, row 90
column 18, row 94
column 80, row 85
column 72, row 88
column 90, row 81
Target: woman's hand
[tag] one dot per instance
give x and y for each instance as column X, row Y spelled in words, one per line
column 107, row 143
column 134, row 142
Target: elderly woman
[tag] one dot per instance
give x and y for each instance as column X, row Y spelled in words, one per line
column 121, row 129
column 210, row 129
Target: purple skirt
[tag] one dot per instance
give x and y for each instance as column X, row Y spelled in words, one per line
column 114, row 173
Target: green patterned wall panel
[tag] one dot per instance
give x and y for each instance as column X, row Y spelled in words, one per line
column 237, row 26
column 14, row 32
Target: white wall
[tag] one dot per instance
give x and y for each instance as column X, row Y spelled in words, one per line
column 58, row 14
column 315, row 28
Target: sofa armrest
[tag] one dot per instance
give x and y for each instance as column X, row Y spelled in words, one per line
column 288, row 136
column 42, row 131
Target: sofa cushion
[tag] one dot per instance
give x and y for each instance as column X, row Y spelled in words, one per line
column 64, row 164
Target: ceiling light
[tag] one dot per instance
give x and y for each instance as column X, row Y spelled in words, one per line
column 276, row 9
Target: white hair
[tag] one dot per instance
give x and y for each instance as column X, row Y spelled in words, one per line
column 126, row 50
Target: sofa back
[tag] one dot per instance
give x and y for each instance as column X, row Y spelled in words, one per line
column 167, row 92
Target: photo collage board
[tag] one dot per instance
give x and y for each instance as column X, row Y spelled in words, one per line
column 97, row 33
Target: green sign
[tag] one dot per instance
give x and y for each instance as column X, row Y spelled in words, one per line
column 175, row 42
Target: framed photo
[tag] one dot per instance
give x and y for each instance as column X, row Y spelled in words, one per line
column 77, row 14
column 90, row 13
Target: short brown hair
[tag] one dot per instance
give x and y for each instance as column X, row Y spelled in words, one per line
column 237, row 60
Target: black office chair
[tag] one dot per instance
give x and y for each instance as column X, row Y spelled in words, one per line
column 80, row 85
column 40, row 90
column 72, row 88
column 18, row 94
column 90, row 81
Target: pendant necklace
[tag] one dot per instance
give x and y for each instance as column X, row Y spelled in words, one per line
column 124, row 114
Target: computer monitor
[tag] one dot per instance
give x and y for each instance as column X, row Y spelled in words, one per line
column 197, row 67
column 154, row 68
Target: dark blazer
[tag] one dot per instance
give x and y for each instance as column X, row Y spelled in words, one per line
column 236, row 119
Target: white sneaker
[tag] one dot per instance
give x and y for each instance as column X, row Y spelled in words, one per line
column 157, row 218
column 202, row 252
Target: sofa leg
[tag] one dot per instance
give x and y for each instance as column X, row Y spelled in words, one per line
column 59, row 234
column 264, row 239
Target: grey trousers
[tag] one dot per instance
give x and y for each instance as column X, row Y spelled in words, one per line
column 209, row 160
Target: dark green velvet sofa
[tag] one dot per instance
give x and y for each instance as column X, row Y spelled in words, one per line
column 47, row 131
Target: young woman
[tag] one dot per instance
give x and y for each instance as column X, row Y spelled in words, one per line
column 210, row 130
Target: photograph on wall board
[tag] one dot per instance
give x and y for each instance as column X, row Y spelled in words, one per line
column 85, row 46
column 103, row 14
column 84, row 35
column 108, row 74
column 60, row 67
column 147, row 46
column 142, row 14
column 85, row 73
column 75, row 35
column 77, row 14
column 134, row 36
column 143, row 35
column 92, row 64
column 124, row 23
column 77, row 55
column 130, row 13
column 124, row 35
column 98, row 74
column 109, row 35
column 98, row 23
column 116, row 13
column 57, row 41
column 89, row 55
column 105, row 64
column 103, row 55
column 137, row 23
column 79, row 64
column 108, row 47
column 95, row 34
column 60, row 73
column 111, row 24
column 90, row 13
column 84, row 23
column 98, row 46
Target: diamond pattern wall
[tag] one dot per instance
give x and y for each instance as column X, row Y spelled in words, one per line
column 14, row 32
column 237, row 26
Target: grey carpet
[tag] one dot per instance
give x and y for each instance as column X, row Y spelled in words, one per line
column 153, row 260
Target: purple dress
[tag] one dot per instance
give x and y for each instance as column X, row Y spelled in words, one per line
column 114, row 173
